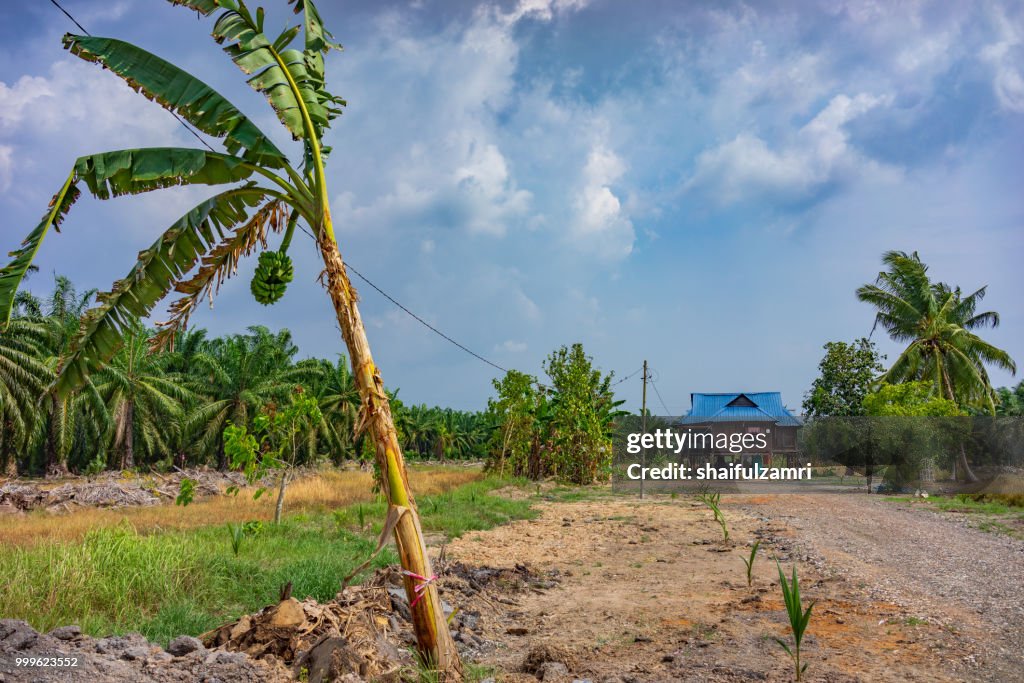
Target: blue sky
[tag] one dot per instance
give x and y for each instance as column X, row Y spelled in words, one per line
column 701, row 186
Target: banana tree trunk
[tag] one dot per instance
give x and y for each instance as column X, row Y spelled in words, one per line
column 433, row 638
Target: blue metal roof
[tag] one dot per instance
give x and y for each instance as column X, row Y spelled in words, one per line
column 768, row 407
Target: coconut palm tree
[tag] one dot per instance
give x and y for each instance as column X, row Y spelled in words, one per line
column 937, row 323
column 268, row 194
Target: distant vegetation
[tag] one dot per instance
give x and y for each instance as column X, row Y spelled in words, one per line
column 170, row 408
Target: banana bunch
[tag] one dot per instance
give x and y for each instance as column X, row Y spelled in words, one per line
column 273, row 273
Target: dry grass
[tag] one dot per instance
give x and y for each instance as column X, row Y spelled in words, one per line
column 326, row 490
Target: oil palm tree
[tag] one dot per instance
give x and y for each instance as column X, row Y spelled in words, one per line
column 238, row 375
column 63, row 309
column 268, row 194
column 334, row 388
column 24, row 377
column 144, row 403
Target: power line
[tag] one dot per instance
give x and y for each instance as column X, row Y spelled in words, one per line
column 668, row 413
column 424, row 322
column 630, row 376
column 68, row 15
column 178, row 118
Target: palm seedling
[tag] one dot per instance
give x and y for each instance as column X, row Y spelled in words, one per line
column 798, row 618
column 749, row 563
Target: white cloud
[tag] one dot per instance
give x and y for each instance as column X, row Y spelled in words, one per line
column 819, row 153
column 6, row 167
column 1006, row 55
column 511, row 346
column 77, row 97
column 600, row 224
column 542, row 10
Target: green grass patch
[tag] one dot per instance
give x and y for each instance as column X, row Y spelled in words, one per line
column 167, row 583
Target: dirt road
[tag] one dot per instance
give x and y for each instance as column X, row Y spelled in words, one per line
column 650, row 592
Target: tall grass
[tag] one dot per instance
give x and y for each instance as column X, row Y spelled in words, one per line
column 327, row 490
column 165, row 583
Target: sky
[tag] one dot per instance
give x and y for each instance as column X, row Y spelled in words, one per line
column 702, row 185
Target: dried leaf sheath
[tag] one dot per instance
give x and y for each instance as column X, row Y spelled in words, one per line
column 158, row 268
column 217, row 266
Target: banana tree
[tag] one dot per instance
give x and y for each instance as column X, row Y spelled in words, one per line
column 268, row 195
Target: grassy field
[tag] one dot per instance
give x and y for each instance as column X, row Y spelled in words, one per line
column 328, row 490
column 167, row 576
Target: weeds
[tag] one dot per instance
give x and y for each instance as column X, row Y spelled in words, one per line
column 749, row 562
column 236, row 532
column 167, row 582
column 798, row 618
column 711, row 499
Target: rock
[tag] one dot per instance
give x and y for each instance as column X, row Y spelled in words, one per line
column 243, row 626
column 137, row 652
column 182, row 645
column 551, row 671
column 16, row 635
column 230, row 658
column 66, row 632
column 288, row 615
column 331, row 660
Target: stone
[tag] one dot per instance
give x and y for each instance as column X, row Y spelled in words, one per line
column 183, row 645
column 551, row 671
column 137, row 652
column 66, row 632
column 288, row 615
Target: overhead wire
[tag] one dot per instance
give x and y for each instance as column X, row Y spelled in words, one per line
column 668, row 413
column 178, row 118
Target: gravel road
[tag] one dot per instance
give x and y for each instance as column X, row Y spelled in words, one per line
column 935, row 564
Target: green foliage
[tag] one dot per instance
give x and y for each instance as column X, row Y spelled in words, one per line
column 845, row 376
column 798, row 618
column 186, row 492
column 1011, row 401
column 937, row 322
column 917, row 399
column 712, row 499
column 515, row 410
column 749, row 563
column 583, row 410
column 236, row 533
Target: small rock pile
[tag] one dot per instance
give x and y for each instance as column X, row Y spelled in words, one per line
column 118, row 659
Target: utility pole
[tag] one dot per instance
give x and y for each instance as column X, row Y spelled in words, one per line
column 643, row 430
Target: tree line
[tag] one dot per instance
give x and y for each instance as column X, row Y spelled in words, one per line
column 170, row 407
column 942, row 372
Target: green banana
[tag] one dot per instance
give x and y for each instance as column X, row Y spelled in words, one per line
column 273, row 273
